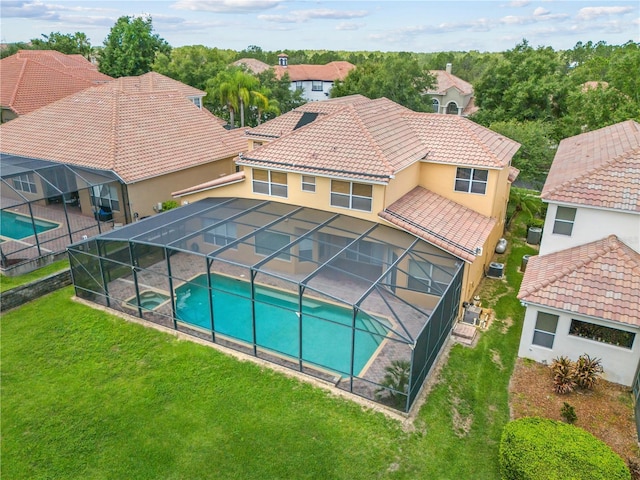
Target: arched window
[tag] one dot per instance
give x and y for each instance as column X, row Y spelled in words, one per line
column 452, row 108
column 436, row 105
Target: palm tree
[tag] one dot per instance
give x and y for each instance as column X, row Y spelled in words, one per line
column 246, row 83
column 260, row 100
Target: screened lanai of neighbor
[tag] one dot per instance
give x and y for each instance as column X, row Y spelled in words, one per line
column 46, row 205
column 329, row 295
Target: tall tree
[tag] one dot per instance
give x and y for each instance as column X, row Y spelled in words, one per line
column 281, row 92
column 399, row 78
column 131, row 47
column 76, row 43
column 194, row 64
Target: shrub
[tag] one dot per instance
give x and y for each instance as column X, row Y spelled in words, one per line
column 563, row 375
column 169, row 205
column 568, row 413
column 587, row 370
column 395, row 383
column 542, row 449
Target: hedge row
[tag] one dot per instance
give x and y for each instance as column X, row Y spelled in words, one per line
column 541, row 449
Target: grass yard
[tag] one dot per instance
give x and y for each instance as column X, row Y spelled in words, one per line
column 88, row 395
column 7, row 283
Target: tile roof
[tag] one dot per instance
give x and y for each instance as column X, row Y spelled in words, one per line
column 445, row 81
column 441, row 222
column 513, row 174
column 600, row 279
column 330, row 72
column 373, row 139
column 253, row 64
column 218, row 182
column 137, row 134
column 599, row 168
column 155, row 82
column 34, row 78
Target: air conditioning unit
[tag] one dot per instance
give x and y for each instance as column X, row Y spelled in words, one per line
column 496, row 270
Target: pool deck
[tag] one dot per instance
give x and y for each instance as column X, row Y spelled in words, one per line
column 54, row 240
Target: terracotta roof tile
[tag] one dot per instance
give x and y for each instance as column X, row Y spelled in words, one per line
column 218, row 182
column 155, row 82
column 441, row 222
column 330, row 72
column 252, row 64
column 600, row 279
column 373, row 139
column 445, row 81
column 513, row 174
column 136, row 134
column 599, row 168
column 34, row 78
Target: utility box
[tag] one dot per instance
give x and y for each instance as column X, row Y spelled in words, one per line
column 534, row 235
column 496, row 270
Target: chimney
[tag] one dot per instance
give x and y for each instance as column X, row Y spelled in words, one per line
column 283, row 60
column 448, row 68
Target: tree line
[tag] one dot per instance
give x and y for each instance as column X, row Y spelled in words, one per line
column 536, row 96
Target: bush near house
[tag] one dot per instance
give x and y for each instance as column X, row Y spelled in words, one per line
column 540, row 449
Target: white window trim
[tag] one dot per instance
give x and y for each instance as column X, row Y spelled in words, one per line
column 545, row 332
column 428, row 280
column 25, row 183
column 564, row 222
column 109, row 200
column 471, row 181
column 270, row 183
column 351, row 196
column 314, row 84
column 303, row 183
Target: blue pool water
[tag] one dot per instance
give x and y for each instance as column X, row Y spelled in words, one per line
column 326, row 328
column 17, row 226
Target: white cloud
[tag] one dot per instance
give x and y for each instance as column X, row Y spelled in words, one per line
column 519, row 3
column 226, row 6
column 45, row 11
column 349, row 26
column 301, row 16
column 540, row 12
column 589, row 13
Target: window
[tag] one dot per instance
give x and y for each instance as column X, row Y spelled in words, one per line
column 305, row 250
column 270, row 183
column 25, row 183
column 105, row 196
column 222, row 234
column 545, row 330
column 269, row 242
column 366, row 252
column 471, row 180
column 436, row 105
column 308, row 183
column 299, row 85
column 197, row 101
column 452, row 108
column 356, row 196
column 565, row 217
column 600, row 333
column 316, row 85
column 428, row 278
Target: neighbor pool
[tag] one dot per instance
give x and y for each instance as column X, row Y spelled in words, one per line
column 17, row 226
column 326, row 328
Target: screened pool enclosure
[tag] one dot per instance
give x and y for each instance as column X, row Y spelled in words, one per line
column 359, row 304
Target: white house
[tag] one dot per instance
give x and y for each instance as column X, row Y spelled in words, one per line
column 582, row 292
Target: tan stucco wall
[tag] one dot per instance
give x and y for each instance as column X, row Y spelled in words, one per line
column 144, row 195
column 403, row 183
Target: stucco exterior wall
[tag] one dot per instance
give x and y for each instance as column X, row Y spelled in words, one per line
column 144, row 195
column 619, row 363
column 590, row 224
column 440, row 178
column 309, row 94
column 452, row 95
column 404, row 181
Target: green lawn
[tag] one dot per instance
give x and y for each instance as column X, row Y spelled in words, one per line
column 7, row 283
column 88, row 395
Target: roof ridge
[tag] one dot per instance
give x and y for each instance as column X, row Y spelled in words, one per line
column 609, row 244
column 372, row 140
column 587, row 173
column 114, row 126
column 15, row 90
column 467, row 124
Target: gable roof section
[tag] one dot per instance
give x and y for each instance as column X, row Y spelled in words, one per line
column 34, row 78
column 330, row 72
column 136, row 134
column 366, row 141
column 373, row 139
column 252, row 64
column 600, row 279
column 445, row 81
column 456, row 140
column 155, row 82
column 441, row 222
column 599, row 168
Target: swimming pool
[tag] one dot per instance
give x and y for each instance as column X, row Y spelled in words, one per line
column 17, row 226
column 326, row 328
column 149, row 299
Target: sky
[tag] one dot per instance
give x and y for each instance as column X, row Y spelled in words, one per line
column 417, row 26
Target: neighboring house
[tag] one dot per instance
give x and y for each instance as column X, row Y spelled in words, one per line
column 315, row 81
column 442, row 178
column 593, row 189
column 32, row 79
column 451, row 95
column 150, row 131
column 582, row 292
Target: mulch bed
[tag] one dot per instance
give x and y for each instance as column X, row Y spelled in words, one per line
column 606, row 411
